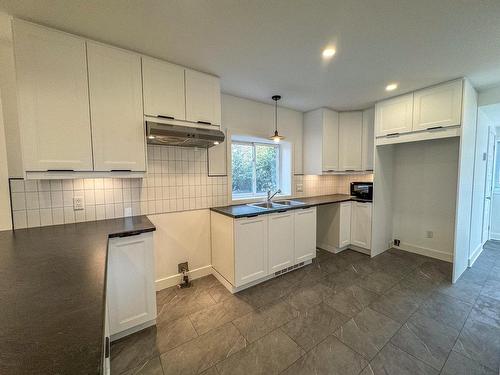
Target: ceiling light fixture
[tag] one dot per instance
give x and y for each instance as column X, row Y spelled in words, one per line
column 276, row 137
column 391, row 87
column 328, row 53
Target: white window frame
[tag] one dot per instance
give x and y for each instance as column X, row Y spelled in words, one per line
column 254, row 194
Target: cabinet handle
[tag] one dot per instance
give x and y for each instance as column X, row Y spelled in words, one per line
column 130, row 234
column 107, row 348
column 392, row 135
column 204, row 122
column 435, row 128
column 329, row 170
column 60, row 170
column 166, row 117
column 350, row 170
column 121, row 170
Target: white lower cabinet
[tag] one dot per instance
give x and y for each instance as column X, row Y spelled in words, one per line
column 131, row 296
column 281, row 240
column 361, row 224
column 250, row 249
column 305, row 234
column 345, row 224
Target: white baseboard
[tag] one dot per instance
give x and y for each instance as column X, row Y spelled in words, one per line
column 494, row 236
column 359, row 249
column 431, row 253
column 331, row 248
column 173, row 280
column 475, row 254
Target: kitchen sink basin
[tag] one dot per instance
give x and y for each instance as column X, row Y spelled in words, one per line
column 267, row 205
column 290, row 203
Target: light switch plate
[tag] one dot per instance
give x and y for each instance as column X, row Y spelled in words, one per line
column 78, row 203
column 300, row 188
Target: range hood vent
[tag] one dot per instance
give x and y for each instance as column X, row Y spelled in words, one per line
column 184, row 136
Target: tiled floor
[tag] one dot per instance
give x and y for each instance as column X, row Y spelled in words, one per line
column 345, row 314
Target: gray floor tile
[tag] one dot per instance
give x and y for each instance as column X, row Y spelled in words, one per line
column 330, row 357
column 378, row 282
column 150, row 367
column 351, row 300
column 219, row 292
column 341, row 280
column 267, row 292
column 203, row 352
column 165, row 296
column 480, row 342
column 184, row 303
column 486, row 310
column 474, row 275
column 436, row 270
column 259, row 323
column 494, row 274
column 306, row 296
column 463, row 290
column 210, row 371
column 174, row 333
column 457, row 364
column 314, row 325
column 133, row 350
column 445, row 309
column 367, row 332
column 426, row 339
column 270, row 355
column 363, row 267
column 420, row 283
column 491, row 289
column 398, row 303
column 305, row 276
column 393, row 361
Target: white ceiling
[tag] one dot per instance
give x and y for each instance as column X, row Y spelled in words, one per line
column 264, row 47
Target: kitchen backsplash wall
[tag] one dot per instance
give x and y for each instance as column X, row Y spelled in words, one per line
column 176, row 181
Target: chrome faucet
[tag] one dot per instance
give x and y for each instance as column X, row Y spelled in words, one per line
column 270, row 197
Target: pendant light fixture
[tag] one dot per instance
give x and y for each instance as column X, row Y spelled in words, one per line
column 276, row 137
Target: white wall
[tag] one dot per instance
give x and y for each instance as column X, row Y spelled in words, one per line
column 476, row 229
column 489, row 96
column 5, row 218
column 424, row 196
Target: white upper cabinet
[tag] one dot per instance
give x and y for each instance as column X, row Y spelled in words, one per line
column 368, row 140
column 164, row 93
column 350, row 140
column 53, row 102
column 321, row 141
column 116, row 109
column 394, row 116
column 203, row 102
column 438, row 106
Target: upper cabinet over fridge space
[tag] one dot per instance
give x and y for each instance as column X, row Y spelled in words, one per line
column 434, row 112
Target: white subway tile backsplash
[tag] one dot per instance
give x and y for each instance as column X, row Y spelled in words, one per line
column 32, row 201
column 17, row 186
column 18, row 201
column 20, row 220
column 33, row 217
column 56, row 198
column 45, row 216
column 57, row 216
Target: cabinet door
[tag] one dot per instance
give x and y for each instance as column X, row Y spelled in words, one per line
column 394, row 116
column 131, row 295
column 368, row 139
column 330, row 141
column 281, row 241
column 361, row 224
column 163, row 86
column 202, row 98
column 250, row 247
column 53, row 99
column 345, row 224
column 350, row 138
column 116, row 109
column 438, row 106
column 305, row 234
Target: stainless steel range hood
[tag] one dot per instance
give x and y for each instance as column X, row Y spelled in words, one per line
column 184, row 136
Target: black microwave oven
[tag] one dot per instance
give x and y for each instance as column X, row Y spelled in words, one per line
column 362, row 190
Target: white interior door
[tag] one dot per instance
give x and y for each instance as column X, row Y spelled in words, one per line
column 490, row 162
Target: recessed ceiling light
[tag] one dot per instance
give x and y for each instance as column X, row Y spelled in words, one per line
column 328, row 53
column 391, row 87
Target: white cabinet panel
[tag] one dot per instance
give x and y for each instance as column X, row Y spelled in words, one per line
column 330, row 141
column 368, row 140
column 251, row 250
column 53, row 99
column 131, row 296
column 361, row 224
column 394, row 116
column 438, row 106
column 116, row 109
column 163, row 85
column 305, row 234
column 203, row 103
column 281, row 241
column 350, row 139
column 345, row 224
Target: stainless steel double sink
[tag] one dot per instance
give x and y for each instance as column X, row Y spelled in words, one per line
column 276, row 205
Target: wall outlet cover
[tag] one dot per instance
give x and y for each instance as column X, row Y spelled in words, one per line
column 78, row 203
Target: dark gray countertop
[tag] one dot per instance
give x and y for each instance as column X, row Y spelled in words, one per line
column 52, row 295
column 243, row 210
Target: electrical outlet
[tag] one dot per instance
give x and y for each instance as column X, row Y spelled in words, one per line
column 183, row 267
column 429, row 234
column 300, row 188
column 396, row 242
column 78, row 203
